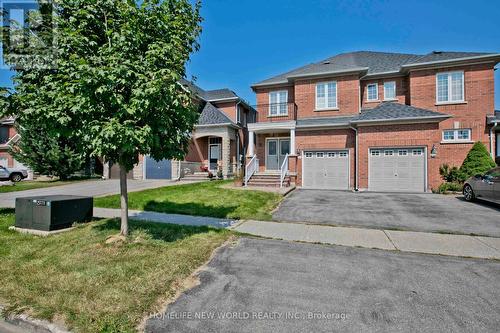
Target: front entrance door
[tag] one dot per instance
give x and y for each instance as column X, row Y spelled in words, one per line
column 276, row 151
column 214, row 156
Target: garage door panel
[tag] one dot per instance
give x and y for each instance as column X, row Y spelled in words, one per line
column 158, row 169
column 397, row 169
column 326, row 169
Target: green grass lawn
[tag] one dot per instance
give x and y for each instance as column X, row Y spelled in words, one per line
column 202, row 199
column 30, row 185
column 97, row 287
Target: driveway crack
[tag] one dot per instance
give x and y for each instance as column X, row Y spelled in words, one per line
column 390, row 240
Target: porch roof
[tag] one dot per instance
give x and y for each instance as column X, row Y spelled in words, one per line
column 393, row 111
column 210, row 115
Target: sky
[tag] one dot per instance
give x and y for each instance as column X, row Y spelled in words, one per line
column 246, row 41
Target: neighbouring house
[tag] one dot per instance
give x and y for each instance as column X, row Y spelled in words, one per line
column 219, row 140
column 8, row 135
column 373, row 121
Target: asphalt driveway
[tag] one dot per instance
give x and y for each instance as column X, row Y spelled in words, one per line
column 278, row 286
column 415, row 212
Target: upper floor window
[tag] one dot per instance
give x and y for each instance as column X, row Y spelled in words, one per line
column 450, row 87
column 389, row 90
column 326, row 95
column 278, row 103
column 457, row 135
column 372, row 91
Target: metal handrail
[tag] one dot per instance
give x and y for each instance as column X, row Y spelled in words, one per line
column 251, row 168
column 284, row 170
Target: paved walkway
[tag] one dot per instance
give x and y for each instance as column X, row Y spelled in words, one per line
column 165, row 218
column 92, row 188
column 406, row 241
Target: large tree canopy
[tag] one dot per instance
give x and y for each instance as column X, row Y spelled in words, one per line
column 114, row 91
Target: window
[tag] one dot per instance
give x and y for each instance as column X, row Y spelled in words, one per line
column 309, row 154
column 450, row 87
column 375, row 152
column 403, row 152
column 343, row 154
column 4, row 134
column 389, row 90
column 278, row 103
column 331, row 154
column 417, row 152
column 319, row 154
column 238, row 114
column 372, row 92
column 326, row 95
column 457, row 135
column 388, row 152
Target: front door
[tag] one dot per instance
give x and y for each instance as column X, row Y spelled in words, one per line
column 276, row 151
column 214, row 156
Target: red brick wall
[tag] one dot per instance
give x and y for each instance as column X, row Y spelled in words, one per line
column 401, row 91
column 229, row 108
column 4, row 153
column 479, row 97
column 198, row 150
column 347, row 97
column 325, row 139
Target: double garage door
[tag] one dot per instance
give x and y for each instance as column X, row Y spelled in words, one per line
column 397, row 169
column 328, row 169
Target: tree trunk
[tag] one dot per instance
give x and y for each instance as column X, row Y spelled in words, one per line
column 124, row 201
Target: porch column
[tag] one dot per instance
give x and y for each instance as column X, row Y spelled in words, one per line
column 292, row 142
column 226, row 156
column 251, row 145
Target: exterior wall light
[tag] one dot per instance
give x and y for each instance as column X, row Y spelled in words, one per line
column 433, row 151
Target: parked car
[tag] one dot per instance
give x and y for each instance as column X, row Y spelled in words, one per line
column 485, row 187
column 13, row 174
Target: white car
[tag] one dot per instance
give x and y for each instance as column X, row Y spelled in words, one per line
column 485, row 187
column 13, row 174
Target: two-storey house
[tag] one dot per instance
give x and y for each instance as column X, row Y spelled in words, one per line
column 218, row 142
column 373, row 121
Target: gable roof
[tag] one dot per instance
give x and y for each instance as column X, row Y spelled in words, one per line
column 371, row 63
column 209, row 95
column 210, row 115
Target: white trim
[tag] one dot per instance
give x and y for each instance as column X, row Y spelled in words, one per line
column 449, row 83
column 265, row 126
column 368, row 92
column 325, row 151
column 395, row 91
column 326, row 83
column 209, row 152
column 495, row 55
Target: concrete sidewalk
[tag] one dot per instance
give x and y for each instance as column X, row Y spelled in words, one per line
column 406, row 241
column 165, row 218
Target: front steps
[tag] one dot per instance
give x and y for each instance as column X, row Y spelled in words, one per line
column 197, row 176
column 261, row 179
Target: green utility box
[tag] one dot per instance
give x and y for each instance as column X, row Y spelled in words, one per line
column 53, row 212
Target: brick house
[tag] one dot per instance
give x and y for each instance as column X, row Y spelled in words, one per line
column 372, row 120
column 8, row 134
column 219, row 140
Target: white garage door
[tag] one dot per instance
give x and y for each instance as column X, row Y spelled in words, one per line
column 397, row 169
column 326, row 169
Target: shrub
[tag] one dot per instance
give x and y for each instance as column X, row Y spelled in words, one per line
column 449, row 187
column 478, row 161
column 450, row 175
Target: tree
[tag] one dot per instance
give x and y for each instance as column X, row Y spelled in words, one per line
column 478, row 161
column 115, row 91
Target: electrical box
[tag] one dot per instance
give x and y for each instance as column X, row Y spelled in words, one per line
column 53, row 212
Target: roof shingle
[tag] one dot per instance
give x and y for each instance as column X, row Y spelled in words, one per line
column 387, row 111
column 210, row 115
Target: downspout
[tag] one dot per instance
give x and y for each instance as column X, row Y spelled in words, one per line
column 356, row 149
column 238, row 160
column 492, row 146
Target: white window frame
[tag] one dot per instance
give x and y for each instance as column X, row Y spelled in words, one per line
column 450, row 100
column 375, row 153
column 343, row 154
column 308, row 154
column 331, row 154
column 388, row 152
column 279, row 102
column 417, row 152
column 385, row 91
column 368, row 92
column 326, row 95
column 402, row 152
column 320, row 154
column 455, row 135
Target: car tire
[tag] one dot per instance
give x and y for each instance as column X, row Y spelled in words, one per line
column 16, row 177
column 469, row 193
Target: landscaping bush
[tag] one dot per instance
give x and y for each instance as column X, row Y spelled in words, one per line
column 478, row 161
column 449, row 187
column 450, row 175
